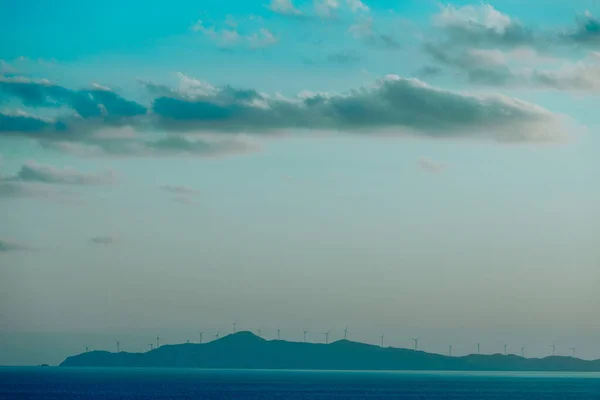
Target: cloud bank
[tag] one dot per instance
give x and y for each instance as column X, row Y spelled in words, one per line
column 392, row 105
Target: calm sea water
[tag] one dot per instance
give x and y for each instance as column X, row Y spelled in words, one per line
column 100, row 383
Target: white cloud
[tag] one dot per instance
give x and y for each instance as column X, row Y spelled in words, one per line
column 473, row 17
column 263, row 38
column 326, row 8
column 357, row 6
column 284, row 7
column 231, row 38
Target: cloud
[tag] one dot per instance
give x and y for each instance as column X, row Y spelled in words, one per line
column 513, row 68
column 18, row 121
column 35, row 180
column 429, row 165
column 284, row 7
column 326, row 8
column 587, row 31
column 178, row 189
column 7, row 246
column 365, row 31
column 230, row 38
column 34, row 172
column 482, row 25
column 185, row 116
column 169, row 146
column 357, row 6
column 393, row 104
column 103, row 240
column 87, row 103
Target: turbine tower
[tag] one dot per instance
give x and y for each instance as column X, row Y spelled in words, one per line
column 523, row 351
column 259, row 332
column 234, row 324
column 573, row 349
column 86, row 349
column 278, row 334
column 416, row 340
column 346, row 333
column 327, row 336
column 151, row 346
column 217, row 335
column 505, row 350
column 118, row 347
column 478, row 347
column 553, row 349
column 305, row 332
column 157, row 341
column 200, row 334
column 382, row 340
column 450, row 350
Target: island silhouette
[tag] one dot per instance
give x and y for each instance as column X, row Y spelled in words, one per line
column 245, row 350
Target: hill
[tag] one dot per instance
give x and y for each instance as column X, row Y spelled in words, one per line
column 245, row 350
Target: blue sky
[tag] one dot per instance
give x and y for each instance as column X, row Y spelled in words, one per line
column 416, row 167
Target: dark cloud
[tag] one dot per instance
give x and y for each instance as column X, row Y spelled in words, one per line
column 391, row 105
column 97, row 102
column 587, row 31
column 394, row 104
column 103, row 240
column 27, row 123
column 6, row 247
column 33, row 172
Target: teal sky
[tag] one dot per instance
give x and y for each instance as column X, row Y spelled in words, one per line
column 416, row 168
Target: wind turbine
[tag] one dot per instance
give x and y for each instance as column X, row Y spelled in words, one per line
column 450, row 350
column 573, row 349
column 327, row 336
column 523, row 351
column 86, row 349
column 200, row 334
column 305, row 332
column 416, row 340
column 118, row 347
column 478, row 347
column 345, row 333
column 382, row 340
column 157, row 341
column 504, row 349
column 259, row 332
column 234, row 324
column 151, row 346
column 553, row 349
column 217, row 335
column 278, row 334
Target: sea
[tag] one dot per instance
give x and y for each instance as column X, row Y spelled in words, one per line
column 115, row 383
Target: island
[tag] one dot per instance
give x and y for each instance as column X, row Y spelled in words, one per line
column 244, row 350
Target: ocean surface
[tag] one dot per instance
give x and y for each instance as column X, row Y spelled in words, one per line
column 101, row 383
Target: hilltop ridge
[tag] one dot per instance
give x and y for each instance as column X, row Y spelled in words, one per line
column 245, row 350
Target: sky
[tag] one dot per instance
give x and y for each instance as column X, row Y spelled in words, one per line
column 408, row 168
